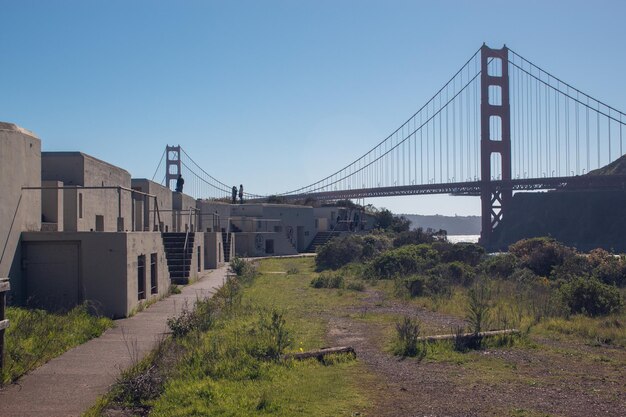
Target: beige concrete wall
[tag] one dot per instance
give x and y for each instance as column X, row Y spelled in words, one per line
column 79, row 169
column 20, row 165
column 146, row 244
column 52, row 205
column 209, row 220
column 213, row 250
column 254, row 244
column 180, row 218
column 107, row 268
column 198, row 256
column 164, row 201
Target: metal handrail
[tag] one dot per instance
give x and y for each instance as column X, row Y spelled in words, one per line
column 186, row 240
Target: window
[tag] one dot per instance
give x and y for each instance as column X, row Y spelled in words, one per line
column 278, row 229
column 141, row 277
column 154, row 274
column 80, row 205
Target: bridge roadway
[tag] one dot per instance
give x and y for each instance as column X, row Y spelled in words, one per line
column 473, row 188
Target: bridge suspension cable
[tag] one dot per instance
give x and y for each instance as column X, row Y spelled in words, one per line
column 438, row 144
column 556, row 129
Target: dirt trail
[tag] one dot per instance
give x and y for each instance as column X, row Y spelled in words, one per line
column 549, row 380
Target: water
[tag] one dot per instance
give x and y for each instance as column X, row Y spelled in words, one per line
column 463, row 238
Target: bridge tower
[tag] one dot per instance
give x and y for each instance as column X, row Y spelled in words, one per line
column 172, row 164
column 495, row 137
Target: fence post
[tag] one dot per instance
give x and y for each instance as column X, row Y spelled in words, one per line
column 4, row 323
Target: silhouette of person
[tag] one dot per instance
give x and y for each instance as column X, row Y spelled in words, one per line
column 179, row 184
column 240, row 193
column 234, row 194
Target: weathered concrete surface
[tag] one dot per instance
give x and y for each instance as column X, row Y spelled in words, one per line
column 70, row 384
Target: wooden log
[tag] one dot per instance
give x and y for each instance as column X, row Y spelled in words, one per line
column 319, row 353
column 481, row 334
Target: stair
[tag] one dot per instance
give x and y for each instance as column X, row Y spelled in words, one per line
column 226, row 237
column 320, row 239
column 178, row 259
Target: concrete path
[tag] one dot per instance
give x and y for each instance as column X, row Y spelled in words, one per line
column 70, row 384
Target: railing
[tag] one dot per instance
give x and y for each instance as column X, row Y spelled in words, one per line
column 4, row 323
column 186, row 241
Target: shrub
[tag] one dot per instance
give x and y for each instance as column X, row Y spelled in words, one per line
column 328, row 280
column 339, row 252
column 274, row 333
column 200, row 319
column 413, row 237
column 356, row 286
column 468, row 253
column 572, row 267
column 405, row 260
column 540, row 254
column 457, row 272
column 408, row 331
column 344, row 250
column 591, row 297
column 500, row 266
column 608, row 268
column 415, row 285
column 246, row 271
column 477, row 313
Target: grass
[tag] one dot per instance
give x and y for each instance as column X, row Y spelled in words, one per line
column 36, row 336
column 231, row 370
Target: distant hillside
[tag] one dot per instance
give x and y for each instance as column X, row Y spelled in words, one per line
column 454, row 225
column 617, row 167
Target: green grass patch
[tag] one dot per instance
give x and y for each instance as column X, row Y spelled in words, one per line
column 610, row 330
column 36, row 336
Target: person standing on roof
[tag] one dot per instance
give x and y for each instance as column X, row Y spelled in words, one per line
column 234, row 194
column 179, row 184
column 240, row 193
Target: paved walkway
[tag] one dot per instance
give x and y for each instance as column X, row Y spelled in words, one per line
column 70, row 384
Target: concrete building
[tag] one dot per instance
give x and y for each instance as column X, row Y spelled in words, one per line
column 163, row 209
column 272, row 229
column 96, row 194
column 112, row 271
column 20, row 166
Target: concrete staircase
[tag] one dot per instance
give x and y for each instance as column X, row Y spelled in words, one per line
column 178, row 259
column 320, row 239
column 226, row 238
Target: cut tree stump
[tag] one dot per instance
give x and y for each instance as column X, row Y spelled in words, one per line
column 481, row 334
column 319, row 353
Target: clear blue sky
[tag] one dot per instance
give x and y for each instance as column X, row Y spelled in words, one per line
column 274, row 94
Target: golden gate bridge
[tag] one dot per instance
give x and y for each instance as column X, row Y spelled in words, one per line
column 500, row 124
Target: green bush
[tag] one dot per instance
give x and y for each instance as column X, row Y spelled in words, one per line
column 456, row 272
column 405, row 260
column 246, row 271
column 468, row 253
column 413, row 237
column 541, row 254
column 407, row 333
column 341, row 251
column 356, row 286
column 199, row 319
column 499, row 266
column 328, row 280
column 591, row 297
column 415, row 285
